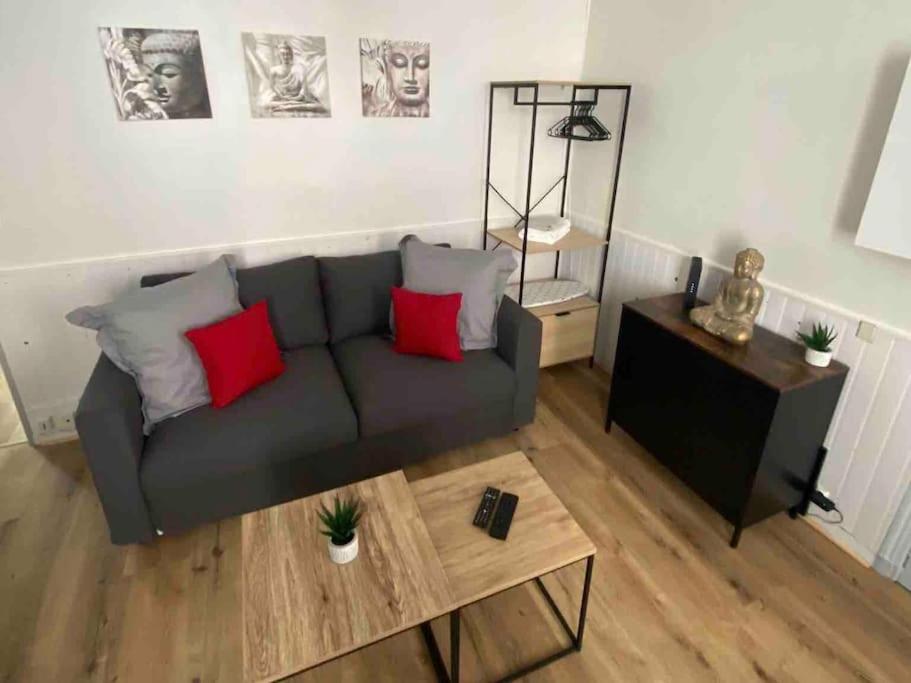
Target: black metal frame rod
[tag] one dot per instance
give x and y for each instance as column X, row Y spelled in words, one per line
column 580, row 85
column 505, row 201
column 531, row 163
column 487, row 179
column 613, row 202
column 535, row 205
column 575, row 638
column 549, row 190
column 569, row 142
column 595, row 88
column 518, row 103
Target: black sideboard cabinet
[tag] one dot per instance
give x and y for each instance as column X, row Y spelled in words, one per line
column 742, row 426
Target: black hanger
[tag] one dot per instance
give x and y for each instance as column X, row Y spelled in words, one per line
column 582, row 117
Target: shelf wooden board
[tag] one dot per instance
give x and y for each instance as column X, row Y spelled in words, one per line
column 576, row 239
column 578, row 304
column 580, row 84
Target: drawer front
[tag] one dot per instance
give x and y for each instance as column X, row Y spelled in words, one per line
column 569, row 336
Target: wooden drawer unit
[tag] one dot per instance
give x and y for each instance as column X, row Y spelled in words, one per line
column 568, row 330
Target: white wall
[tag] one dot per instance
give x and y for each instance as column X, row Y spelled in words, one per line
column 76, row 183
column 88, row 203
column 760, row 124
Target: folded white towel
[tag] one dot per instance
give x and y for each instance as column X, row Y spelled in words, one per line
column 548, row 229
column 548, row 222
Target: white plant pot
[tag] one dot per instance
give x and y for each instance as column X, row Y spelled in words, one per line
column 343, row 554
column 820, row 359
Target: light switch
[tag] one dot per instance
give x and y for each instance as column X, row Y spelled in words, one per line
column 866, row 331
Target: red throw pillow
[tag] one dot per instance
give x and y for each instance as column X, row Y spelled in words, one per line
column 427, row 324
column 238, row 353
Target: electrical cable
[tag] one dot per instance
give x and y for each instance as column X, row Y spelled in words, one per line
column 841, row 517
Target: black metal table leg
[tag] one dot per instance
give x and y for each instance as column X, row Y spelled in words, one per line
column 455, row 627
column 580, row 631
column 454, row 645
column 735, row 539
column 439, row 667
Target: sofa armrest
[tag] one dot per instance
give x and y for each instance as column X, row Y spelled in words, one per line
column 109, row 422
column 519, row 344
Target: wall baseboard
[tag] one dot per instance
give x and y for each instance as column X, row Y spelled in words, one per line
column 843, row 540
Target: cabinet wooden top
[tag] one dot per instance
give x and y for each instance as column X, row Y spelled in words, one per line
column 770, row 358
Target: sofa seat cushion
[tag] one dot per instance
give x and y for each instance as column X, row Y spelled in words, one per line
column 393, row 391
column 302, row 411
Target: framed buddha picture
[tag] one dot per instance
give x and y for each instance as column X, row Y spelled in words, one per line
column 395, row 78
column 155, row 73
column 287, row 76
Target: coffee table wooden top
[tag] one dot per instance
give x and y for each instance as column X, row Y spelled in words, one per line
column 420, row 557
column 543, row 536
column 301, row 610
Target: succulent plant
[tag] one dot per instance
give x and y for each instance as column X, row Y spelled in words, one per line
column 341, row 521
column 820, row 338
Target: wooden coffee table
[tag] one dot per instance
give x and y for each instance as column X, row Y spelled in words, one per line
column 301, row 610
column 420, row 558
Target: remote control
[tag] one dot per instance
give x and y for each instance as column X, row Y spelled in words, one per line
column 692, row 283
column 485, row 509
column 503, row 517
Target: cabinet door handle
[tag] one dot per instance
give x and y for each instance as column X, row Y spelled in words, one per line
column 562, row 313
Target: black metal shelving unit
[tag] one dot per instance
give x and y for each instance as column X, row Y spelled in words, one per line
column 580, row 105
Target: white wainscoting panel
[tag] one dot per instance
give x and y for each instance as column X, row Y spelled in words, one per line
column 868, row 469
column 50, row 360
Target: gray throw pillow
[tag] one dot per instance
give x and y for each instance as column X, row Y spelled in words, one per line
column 142, row 332
column 480, row 276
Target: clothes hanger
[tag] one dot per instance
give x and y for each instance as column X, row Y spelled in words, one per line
column 582, row 116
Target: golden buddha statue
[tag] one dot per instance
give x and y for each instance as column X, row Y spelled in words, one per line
column 731, row 315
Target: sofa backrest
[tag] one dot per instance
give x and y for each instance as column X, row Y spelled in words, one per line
column 291, row 289
column 357, row 292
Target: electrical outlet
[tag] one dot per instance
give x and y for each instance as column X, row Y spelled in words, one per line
column 46, row 426
column 866, row 331
column 54, row 425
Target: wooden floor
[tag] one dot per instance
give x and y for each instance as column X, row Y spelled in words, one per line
column 670, row 601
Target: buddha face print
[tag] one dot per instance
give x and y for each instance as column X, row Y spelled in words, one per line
column 156, row 73
column 395, row 78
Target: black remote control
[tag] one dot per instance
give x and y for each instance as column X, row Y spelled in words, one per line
column 692, row 283
column 503, row 517
column 485, row 509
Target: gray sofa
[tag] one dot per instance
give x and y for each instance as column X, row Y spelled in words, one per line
column 346, row 408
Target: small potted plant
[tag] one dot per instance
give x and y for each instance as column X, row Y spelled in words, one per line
column 341, row 527
column 819, row 344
